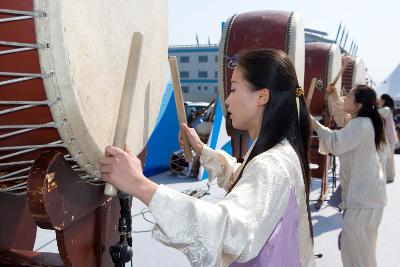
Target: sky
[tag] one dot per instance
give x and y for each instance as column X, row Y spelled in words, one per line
column 373, row 24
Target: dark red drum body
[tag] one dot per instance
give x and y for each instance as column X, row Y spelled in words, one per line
column 354, row 74
column 258, row 29
column 323, row 62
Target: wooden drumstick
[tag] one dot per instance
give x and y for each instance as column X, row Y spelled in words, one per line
column 180, row 108
column 311, row 91
column 346, row 62
column 125, row 107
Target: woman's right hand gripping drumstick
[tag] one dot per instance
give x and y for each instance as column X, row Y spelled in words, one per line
column 194, row 140
column 331, row 89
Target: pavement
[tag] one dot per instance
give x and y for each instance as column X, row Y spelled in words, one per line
column 327, row 224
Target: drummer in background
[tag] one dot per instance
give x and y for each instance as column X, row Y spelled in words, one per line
column 264, row 219
column 386, row 110
column 361, row 147
column 191, row 118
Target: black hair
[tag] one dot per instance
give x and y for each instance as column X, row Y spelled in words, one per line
column 366, row 96
column 388, row 102
column 273, row 69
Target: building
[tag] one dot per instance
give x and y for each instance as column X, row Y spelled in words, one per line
column 198, row 67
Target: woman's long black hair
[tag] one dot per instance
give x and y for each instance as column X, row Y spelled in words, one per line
column 366, row 96
column 273, row 69
column 388, row 102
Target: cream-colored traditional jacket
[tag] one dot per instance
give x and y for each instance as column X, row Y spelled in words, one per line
column 263, row 221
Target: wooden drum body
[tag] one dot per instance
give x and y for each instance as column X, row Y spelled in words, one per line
column 322, row 61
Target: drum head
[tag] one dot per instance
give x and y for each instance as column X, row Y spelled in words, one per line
column 87, row 58
column 260, row 29
column 359, row 72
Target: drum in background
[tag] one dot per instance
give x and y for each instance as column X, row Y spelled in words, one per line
column 62, row 69
column 322, row 61
column 258, row 29
column 354, row 74
column 204, row 130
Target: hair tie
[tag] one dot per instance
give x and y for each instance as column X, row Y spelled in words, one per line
column 299, row 92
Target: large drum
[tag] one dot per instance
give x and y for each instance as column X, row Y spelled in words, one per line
column 62, row 69
column 322, row 61
column 354, row 74
column 258, row 29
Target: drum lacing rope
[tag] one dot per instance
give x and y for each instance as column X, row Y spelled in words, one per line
column 21, row 15
column 24, row 77
column 24, row 105
column 29, row 126
column 17, row 47
column 24, row 47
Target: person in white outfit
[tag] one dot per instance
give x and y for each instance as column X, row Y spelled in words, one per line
column 264, row 219
column 361, row 147
column 386, row 109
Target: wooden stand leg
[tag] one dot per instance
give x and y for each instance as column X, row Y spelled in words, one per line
column 84, row 219
column 321, row 172
column 17, row 227
column 324, row 184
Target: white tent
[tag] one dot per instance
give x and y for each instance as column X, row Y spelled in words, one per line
column 391, row 85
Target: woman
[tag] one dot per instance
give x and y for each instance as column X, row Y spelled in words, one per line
column 386, row 105
column 264, row 218
column 359, row 145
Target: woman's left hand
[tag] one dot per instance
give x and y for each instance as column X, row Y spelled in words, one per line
column 124, row 170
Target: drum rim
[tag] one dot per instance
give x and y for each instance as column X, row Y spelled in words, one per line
column 84, row 151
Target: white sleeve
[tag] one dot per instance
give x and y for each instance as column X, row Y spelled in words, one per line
column 340, row 141
column 219, row 234
column 336, row 108
column 385, row 112
column 220, row 165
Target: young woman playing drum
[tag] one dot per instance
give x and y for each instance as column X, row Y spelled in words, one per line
column 360, row 146
column 264, row 218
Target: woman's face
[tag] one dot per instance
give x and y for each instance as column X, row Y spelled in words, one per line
column 350, row 105
column 381, row 102
column 245, row 105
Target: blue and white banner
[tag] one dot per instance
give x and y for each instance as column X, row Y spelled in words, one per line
column 219, row 138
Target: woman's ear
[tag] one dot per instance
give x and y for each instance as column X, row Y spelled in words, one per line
column 263, row 97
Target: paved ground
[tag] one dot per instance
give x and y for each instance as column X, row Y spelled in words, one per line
column 327, row 223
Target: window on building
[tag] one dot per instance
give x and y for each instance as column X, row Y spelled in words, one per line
column 203, row 74
column 203, row 59
column 184, row 74
column 184, row 59
column 185, row 89
column 216, row 89
column 216, row 58
column 216, row 74
column 205, row 87
column 199, row 87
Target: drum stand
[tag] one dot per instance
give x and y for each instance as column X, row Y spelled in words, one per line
column 84, row 219
column 321, row 172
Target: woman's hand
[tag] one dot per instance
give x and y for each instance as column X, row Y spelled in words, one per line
column 331, row 89
column 193, row 138
column 124, row 171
